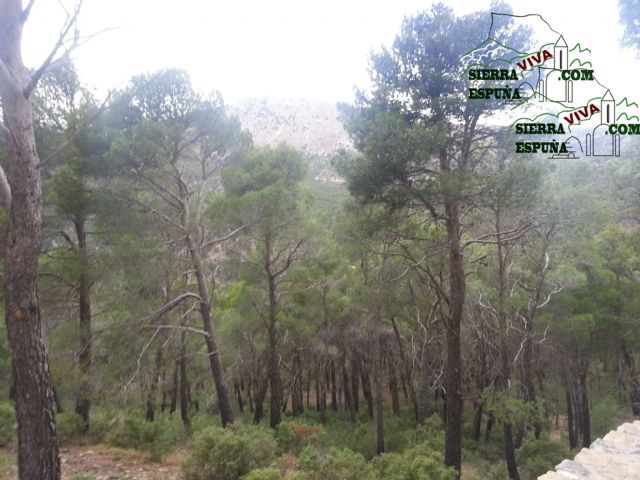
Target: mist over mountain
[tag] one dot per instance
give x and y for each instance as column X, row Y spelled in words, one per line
column 313, row 127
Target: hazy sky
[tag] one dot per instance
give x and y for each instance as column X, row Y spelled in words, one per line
column 285, row 48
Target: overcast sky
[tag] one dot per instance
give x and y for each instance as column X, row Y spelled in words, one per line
column 315, row 50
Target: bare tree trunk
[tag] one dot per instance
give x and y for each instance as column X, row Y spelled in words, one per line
column 273, row 361
column 424, row 386
column 355, row 382
column 83, row 401
column 477, row 419
column 322, row 393
column 348, row 397
column 453, row 367
column 632, row 375
column 238, row 392
column 490, row 423
column 379, row 405
column 585, row 418
column 153, row 388
column 573, row 440
column 217, row 371
column 175, row 379
column 393, row 388
column 258, row 400
column 407, row 371
column 505, row 370
column 334, row 386
column 366, row 389
column 33, row 393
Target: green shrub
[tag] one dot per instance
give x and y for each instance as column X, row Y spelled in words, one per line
column 228, row 454
column 603, row 416
column 157, row 437
column 7, row 424
column 536, row 457
column 359, row 438
column 264, row 474
column 70, row 425
column 101, row 422
column 294, row 435
column 337, row 464
column 418, row 462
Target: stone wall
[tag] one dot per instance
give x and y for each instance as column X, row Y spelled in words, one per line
column 614, row 457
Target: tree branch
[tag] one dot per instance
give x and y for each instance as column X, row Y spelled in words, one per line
column 216, row 241
column 177, row 327
column 171, row 305
column 62, row 39
column 25, row 13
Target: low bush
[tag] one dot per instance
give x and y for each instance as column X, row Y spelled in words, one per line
column 536, row 457
column 294, row 435
column 102, row 421
column 264, row 474
column 70, row 425
column 337, row 464
column 7, row 424
column 228, row 454
column 132, row 431
column 420, row 461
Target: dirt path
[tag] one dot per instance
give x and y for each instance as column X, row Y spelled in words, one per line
column 101, row 462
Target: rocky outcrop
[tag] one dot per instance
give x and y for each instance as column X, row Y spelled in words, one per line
column 614, row 457
column 313, row 127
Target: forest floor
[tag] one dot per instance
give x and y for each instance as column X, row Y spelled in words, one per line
column 102, row 462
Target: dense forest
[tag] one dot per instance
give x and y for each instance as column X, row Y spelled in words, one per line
column 449, row 309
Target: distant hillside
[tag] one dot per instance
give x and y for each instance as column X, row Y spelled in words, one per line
column 312, row 127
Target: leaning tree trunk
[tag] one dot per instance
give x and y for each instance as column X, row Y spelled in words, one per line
column 217, row 371
column 33, row 393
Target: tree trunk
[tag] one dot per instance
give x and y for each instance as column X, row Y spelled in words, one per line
column 453, row 367
column 502, row 382
column 348, row 397
column 632, row 375
column 355, row 383
column 477, row 419
column 33, row 393
column 273, row 361
column 424, row 388
column 322, row 393
column 83, row 401
column 366, row 389
column 258, row 401
column 379, row 405
column 407, row 372
column 585, row 418
column 334, row 386
column 217, row 371
column 393, row 388
column 236, row 388
column 573, row 440
column 490, row 423
column 151, row 397
column 510, row 452
column 175, row 382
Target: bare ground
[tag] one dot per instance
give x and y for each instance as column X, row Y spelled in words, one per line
column 102, row 462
